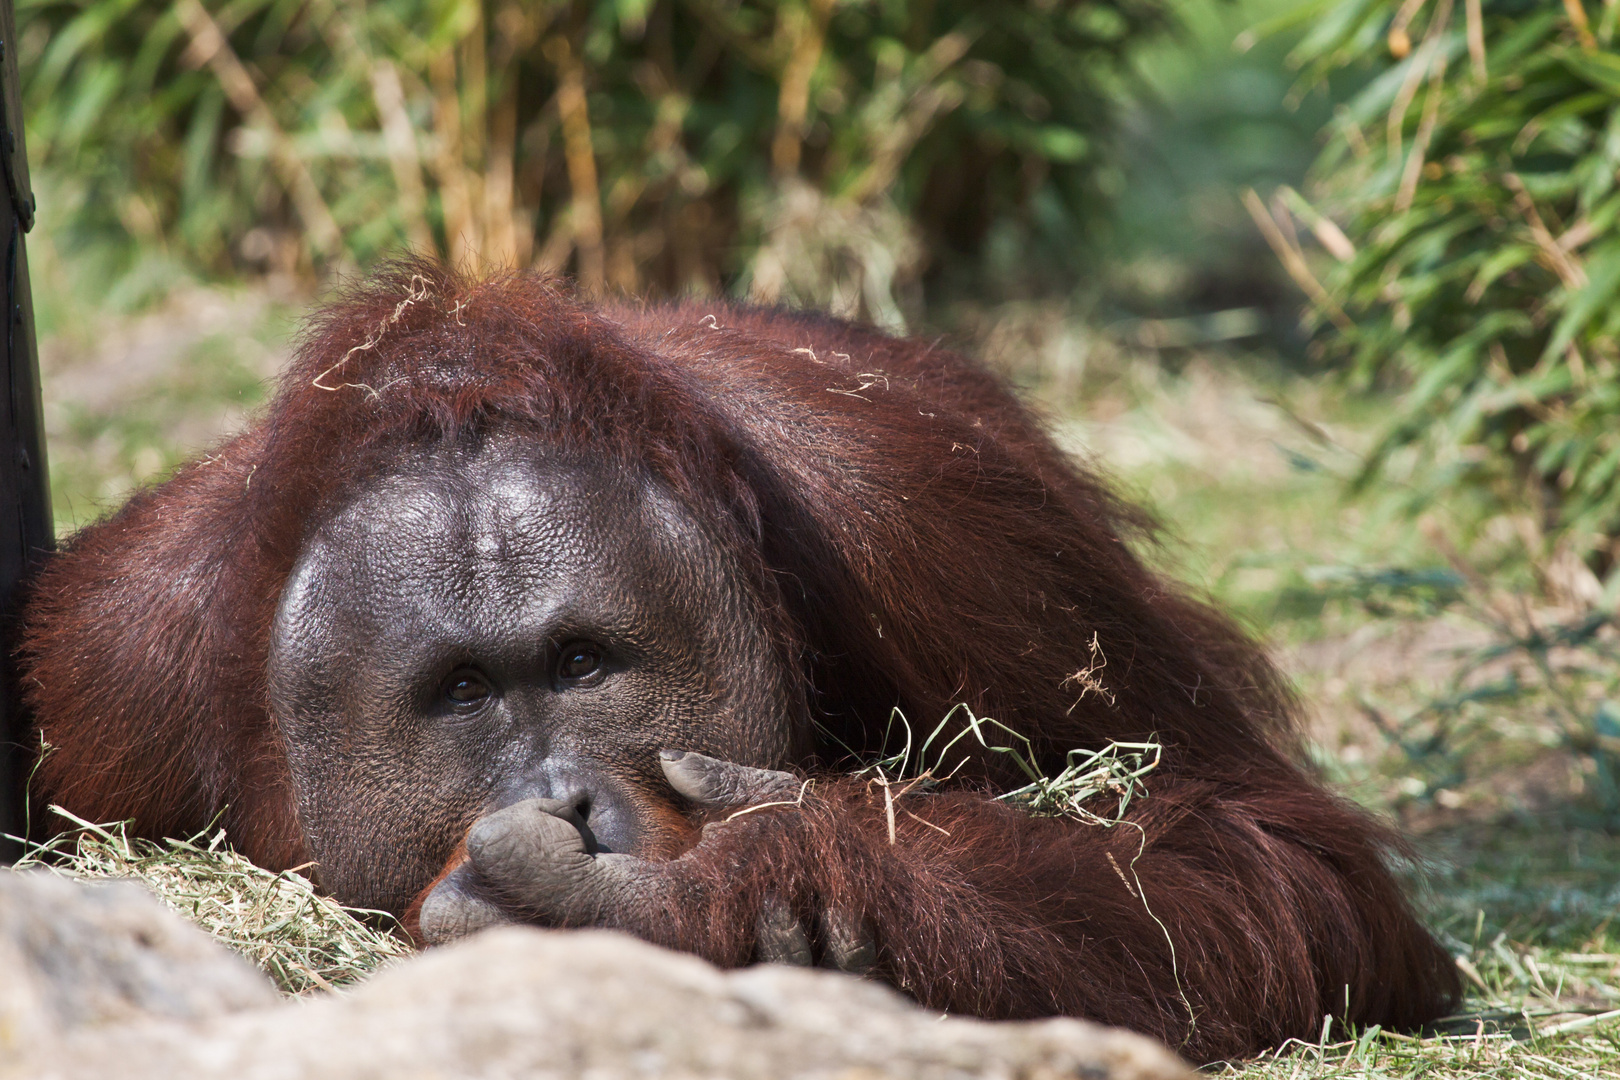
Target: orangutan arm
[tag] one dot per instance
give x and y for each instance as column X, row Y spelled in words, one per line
column 1221, row 919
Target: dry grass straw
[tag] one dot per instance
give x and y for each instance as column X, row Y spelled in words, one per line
column 1381, row 1054
column 304, row 941
column 1498, row 1046
column 1117, row 769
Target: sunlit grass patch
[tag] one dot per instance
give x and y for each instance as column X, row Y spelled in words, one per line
column 1592, row 1051
column 1532, row 1011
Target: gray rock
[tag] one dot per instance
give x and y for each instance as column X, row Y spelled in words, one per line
column 521, row 1002
column 77, row 955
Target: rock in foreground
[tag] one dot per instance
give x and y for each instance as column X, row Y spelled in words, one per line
column 76, row 955
column 522, row 1002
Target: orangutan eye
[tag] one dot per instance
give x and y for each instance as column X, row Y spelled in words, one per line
column 578, row 660
column 466, row 689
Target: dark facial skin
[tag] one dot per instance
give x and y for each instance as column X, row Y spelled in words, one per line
column 488, row 626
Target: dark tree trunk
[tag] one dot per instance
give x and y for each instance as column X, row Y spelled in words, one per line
column 25, row 502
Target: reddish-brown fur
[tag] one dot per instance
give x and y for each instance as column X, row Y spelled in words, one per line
column 915, row 539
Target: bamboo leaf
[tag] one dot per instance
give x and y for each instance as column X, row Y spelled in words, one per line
column 1603, row 273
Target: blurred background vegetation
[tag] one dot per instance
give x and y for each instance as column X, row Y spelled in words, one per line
column 789, row 150
column 1331, row 284
column 1024, row 171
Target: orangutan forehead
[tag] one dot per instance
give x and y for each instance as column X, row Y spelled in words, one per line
column 501, row 525
column 486, row 503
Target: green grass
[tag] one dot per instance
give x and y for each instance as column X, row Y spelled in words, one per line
column 1246, row 467
column 1590, row 1052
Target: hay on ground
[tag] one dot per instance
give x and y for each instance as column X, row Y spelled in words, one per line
column 304, row 941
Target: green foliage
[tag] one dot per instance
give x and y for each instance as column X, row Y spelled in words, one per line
column 1534, row 685
column 784, row 147
column 1475, row 176
column 1206, row 120
column 1526, row 920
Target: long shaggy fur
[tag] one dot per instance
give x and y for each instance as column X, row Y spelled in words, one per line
column 915, row 540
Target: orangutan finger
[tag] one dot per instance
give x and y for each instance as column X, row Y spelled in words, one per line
column 535, row 858
column 457, row 907
column 847, row 943
column 782, row 939
column 709, row 780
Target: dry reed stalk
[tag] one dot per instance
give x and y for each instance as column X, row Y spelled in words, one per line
column 455, row 195
column 500, row 183
column 1400, row 42
column 1413, row 172
column 1553, row 256
column 930, row 101
column 474, row 85
column 208, row 46
column 1476, row 40
column 1326, row 231
column 1583, row 29
column 1416, row 73
column 403, row 157
column 338, row 23
column 801, row 32
column 586, row 207
column 1293, row 260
